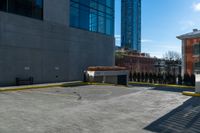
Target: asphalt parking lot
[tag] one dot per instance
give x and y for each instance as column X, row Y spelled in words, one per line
column 98, row 109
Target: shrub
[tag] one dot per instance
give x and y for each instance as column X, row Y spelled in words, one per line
column 164, row 78
column 130, row 76
column 180, row 79
column 173, row 79
column 134, row 76
column 193, row 80
column 159, row 78
column 142, row 77
column 138, row 77
column 186, row 79
column 146, row 76
column 154, row 78
column 150, row 77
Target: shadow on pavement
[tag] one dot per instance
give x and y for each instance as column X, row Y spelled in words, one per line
column 183, row 119
column 163, row 88
column 172, row 89
column 141, row 85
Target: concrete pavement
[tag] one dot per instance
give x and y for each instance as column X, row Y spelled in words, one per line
column 101, row 109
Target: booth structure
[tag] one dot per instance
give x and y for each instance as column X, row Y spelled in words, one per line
column 112, row 75
column 197, row 82
column 197, row 86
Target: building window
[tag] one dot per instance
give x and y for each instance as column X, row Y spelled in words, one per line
column 29, row 8
column 196, row 66
column 3, row 5
column 196, row 49
column 93, row 15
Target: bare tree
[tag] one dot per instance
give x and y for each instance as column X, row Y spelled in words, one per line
column 172, row 55
column 172, row 61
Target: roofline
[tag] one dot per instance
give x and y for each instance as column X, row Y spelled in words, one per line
column 185, row 36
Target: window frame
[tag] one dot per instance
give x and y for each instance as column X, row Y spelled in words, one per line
column 101, row 13
column 196, row 49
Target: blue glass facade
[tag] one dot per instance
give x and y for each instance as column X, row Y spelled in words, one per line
column 93, row 15
column 131, row 24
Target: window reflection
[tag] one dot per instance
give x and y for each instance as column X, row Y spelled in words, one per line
column 29, row 8
column 93, row 15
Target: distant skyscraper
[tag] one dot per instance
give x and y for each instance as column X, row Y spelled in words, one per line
column 131, row 24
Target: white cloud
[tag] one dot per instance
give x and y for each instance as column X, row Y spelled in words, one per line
column 146, row 40
column 156, row 54
column 196, row 6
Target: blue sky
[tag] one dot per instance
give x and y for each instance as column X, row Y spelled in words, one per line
column 162, row 21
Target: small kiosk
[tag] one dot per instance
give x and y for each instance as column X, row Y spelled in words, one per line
column 197, row 81
column 197, row 86
column 105, row 74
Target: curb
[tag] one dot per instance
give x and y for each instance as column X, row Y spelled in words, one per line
column 26, row 88
column 162, row 85
column 194, row 94
column 70, row 84
column 67, row 84
column 84, row 83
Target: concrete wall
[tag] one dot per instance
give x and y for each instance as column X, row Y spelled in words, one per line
column 57, row 12
column 108, row 79
column 49, row 50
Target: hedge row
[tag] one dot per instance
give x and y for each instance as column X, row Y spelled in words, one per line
column 163, row 78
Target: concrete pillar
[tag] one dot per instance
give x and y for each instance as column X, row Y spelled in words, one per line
column 183, row 58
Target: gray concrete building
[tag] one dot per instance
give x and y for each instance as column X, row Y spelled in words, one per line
column 54, row 41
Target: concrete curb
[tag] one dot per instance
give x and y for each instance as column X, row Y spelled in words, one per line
column 162, row 85
column 39, row 86
column 193, row 94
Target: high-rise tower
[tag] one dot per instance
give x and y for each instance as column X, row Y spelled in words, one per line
column 131, row 24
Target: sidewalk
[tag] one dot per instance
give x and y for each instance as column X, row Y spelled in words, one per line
column 36, row 86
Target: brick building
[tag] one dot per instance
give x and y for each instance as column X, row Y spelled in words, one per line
column 136, row 62
column 190, row 51
column 142, row 62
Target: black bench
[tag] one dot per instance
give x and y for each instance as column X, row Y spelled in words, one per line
column 24, row 81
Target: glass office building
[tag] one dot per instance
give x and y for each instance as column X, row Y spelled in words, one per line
column 131, row 24
column 93, row 15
